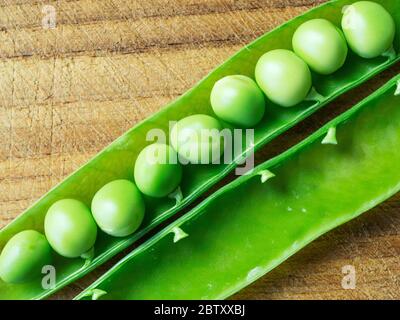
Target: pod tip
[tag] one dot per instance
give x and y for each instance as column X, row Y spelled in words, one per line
column 330, row 137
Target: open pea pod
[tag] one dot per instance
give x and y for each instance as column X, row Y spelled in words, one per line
column 256, row 222
column 116, row 161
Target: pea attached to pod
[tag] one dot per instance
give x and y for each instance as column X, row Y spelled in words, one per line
column 24, row 256
column 198, row 139
column 118, row 208
column 368, row 27
column 70, row 228
column 157, row 170
column 321, row 45
column 284, row 77
column 238, row 100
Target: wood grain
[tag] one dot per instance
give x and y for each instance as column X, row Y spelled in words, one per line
column 66, row 93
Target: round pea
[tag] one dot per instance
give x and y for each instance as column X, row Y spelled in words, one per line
column 321, row 45
column 369, row 28
column 70, row 228
column 237, row 99
column 197, row 139
column 24, row 256
column 284, row 77
column 157, row 171
column 118, row 208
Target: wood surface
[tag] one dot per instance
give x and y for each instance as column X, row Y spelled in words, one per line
column 67, row 92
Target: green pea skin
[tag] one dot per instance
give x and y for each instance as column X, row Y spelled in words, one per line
column 369, row 29
column 24, row 256
column 196, row 139
column 118, row 208
column 284, row 77
column 321, row 45
column 70, row 228
column 157, row 171
column 238, row 100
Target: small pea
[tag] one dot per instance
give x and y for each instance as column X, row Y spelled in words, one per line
column 284, row 77
column 321, row 45
column 118, row 208
column 197, row 139
column 157, row 171
column 238, row 100
column 24, row 256
column 369, row 28
column 70, row 228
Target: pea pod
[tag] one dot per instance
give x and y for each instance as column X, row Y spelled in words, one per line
column 256, row 222
column 116, row 161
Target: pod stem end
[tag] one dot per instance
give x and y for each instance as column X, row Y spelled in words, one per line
column 179, row 234
column 266, row 175
column 330, row 137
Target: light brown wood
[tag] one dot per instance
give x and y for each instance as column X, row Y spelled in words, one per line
column 66, row 93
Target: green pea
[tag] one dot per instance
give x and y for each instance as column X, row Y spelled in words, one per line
column 197, row 139
column 284, row 77
column 24, row 256
column 70, row 228
column 237, row 99
column 157, row 171
column 321, row 45
column 369, row 28
column 118, row 208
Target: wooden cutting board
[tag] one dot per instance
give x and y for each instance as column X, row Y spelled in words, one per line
column 67, row 92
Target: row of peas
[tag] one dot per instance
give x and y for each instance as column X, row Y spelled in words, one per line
column 283, row 76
